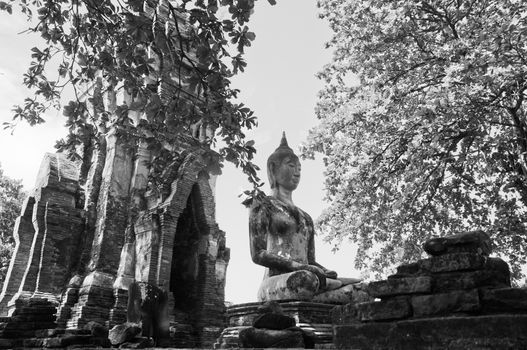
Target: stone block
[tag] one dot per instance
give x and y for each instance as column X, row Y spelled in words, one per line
column 400, row 286
column 76, row 340
column 123, row 333
column 23, row 233
column 60, row 174
column 479, row 332
column 267, row 338
column 34, row 318
column 384, row 310
column 344, row 314
column 407, row 270
column 452, row 262
column 512, row 300
column 501, row 268
column 96, row 296
column 445, row 303
column 274, row 321
column 477, row 242
column 302, row 311
column 313, row 318
column 451, row 281
column 112, row 206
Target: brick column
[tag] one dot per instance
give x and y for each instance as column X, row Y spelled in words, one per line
column 96, row 296
column 23, row 233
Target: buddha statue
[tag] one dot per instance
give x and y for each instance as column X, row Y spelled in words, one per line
column 282, row 240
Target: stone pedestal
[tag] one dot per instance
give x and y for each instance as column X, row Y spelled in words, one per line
column 69, row 299
column 118, row 312
column 314, row 318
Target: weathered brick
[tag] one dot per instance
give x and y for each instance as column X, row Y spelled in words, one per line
column 445, row 303
column 399, row 286
column 390, row 309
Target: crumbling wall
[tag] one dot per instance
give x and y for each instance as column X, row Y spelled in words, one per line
column 458, row 298
column 46, row 253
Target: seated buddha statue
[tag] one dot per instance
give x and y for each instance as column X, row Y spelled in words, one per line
column 282, row 240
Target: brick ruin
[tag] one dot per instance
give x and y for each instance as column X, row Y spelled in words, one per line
column 91, row 228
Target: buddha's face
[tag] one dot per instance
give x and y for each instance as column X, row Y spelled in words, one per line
column 287, row 174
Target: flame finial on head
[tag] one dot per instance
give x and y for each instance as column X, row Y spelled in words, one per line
column 283, row 144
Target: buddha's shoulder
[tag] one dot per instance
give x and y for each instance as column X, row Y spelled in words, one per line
column 305, row 214
column 271, row 204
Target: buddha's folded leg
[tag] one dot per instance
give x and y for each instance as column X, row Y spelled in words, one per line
column 343, row 295
column 299, row 285
column 270, row 338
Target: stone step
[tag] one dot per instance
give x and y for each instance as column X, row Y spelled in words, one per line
column 67, row 340
column 481, row 332
column 10, row 343
column 30, row 325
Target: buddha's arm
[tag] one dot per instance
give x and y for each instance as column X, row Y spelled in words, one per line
column 258, row 229
column 311, row 252
column 263, row 257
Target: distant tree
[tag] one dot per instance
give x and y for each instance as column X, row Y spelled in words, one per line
column 175, row 61
column 11, row 198
column 423, row 125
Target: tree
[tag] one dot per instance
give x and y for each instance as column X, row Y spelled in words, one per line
column 173, row 60
column 11, row 198
column 423, row 125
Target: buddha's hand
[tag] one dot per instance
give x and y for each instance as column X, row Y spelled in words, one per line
column 330, row 274
column 321, row 275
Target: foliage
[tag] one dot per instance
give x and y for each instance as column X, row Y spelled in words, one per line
column 11, row 197
column 172, row 60
column 423, row 125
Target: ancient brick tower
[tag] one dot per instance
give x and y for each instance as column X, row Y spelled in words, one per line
column 85, row 235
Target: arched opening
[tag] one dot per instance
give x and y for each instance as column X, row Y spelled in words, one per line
column 188, row 270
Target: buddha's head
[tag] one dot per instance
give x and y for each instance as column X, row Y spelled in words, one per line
column 283, row 167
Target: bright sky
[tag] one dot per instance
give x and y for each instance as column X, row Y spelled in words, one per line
column 279, row 84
